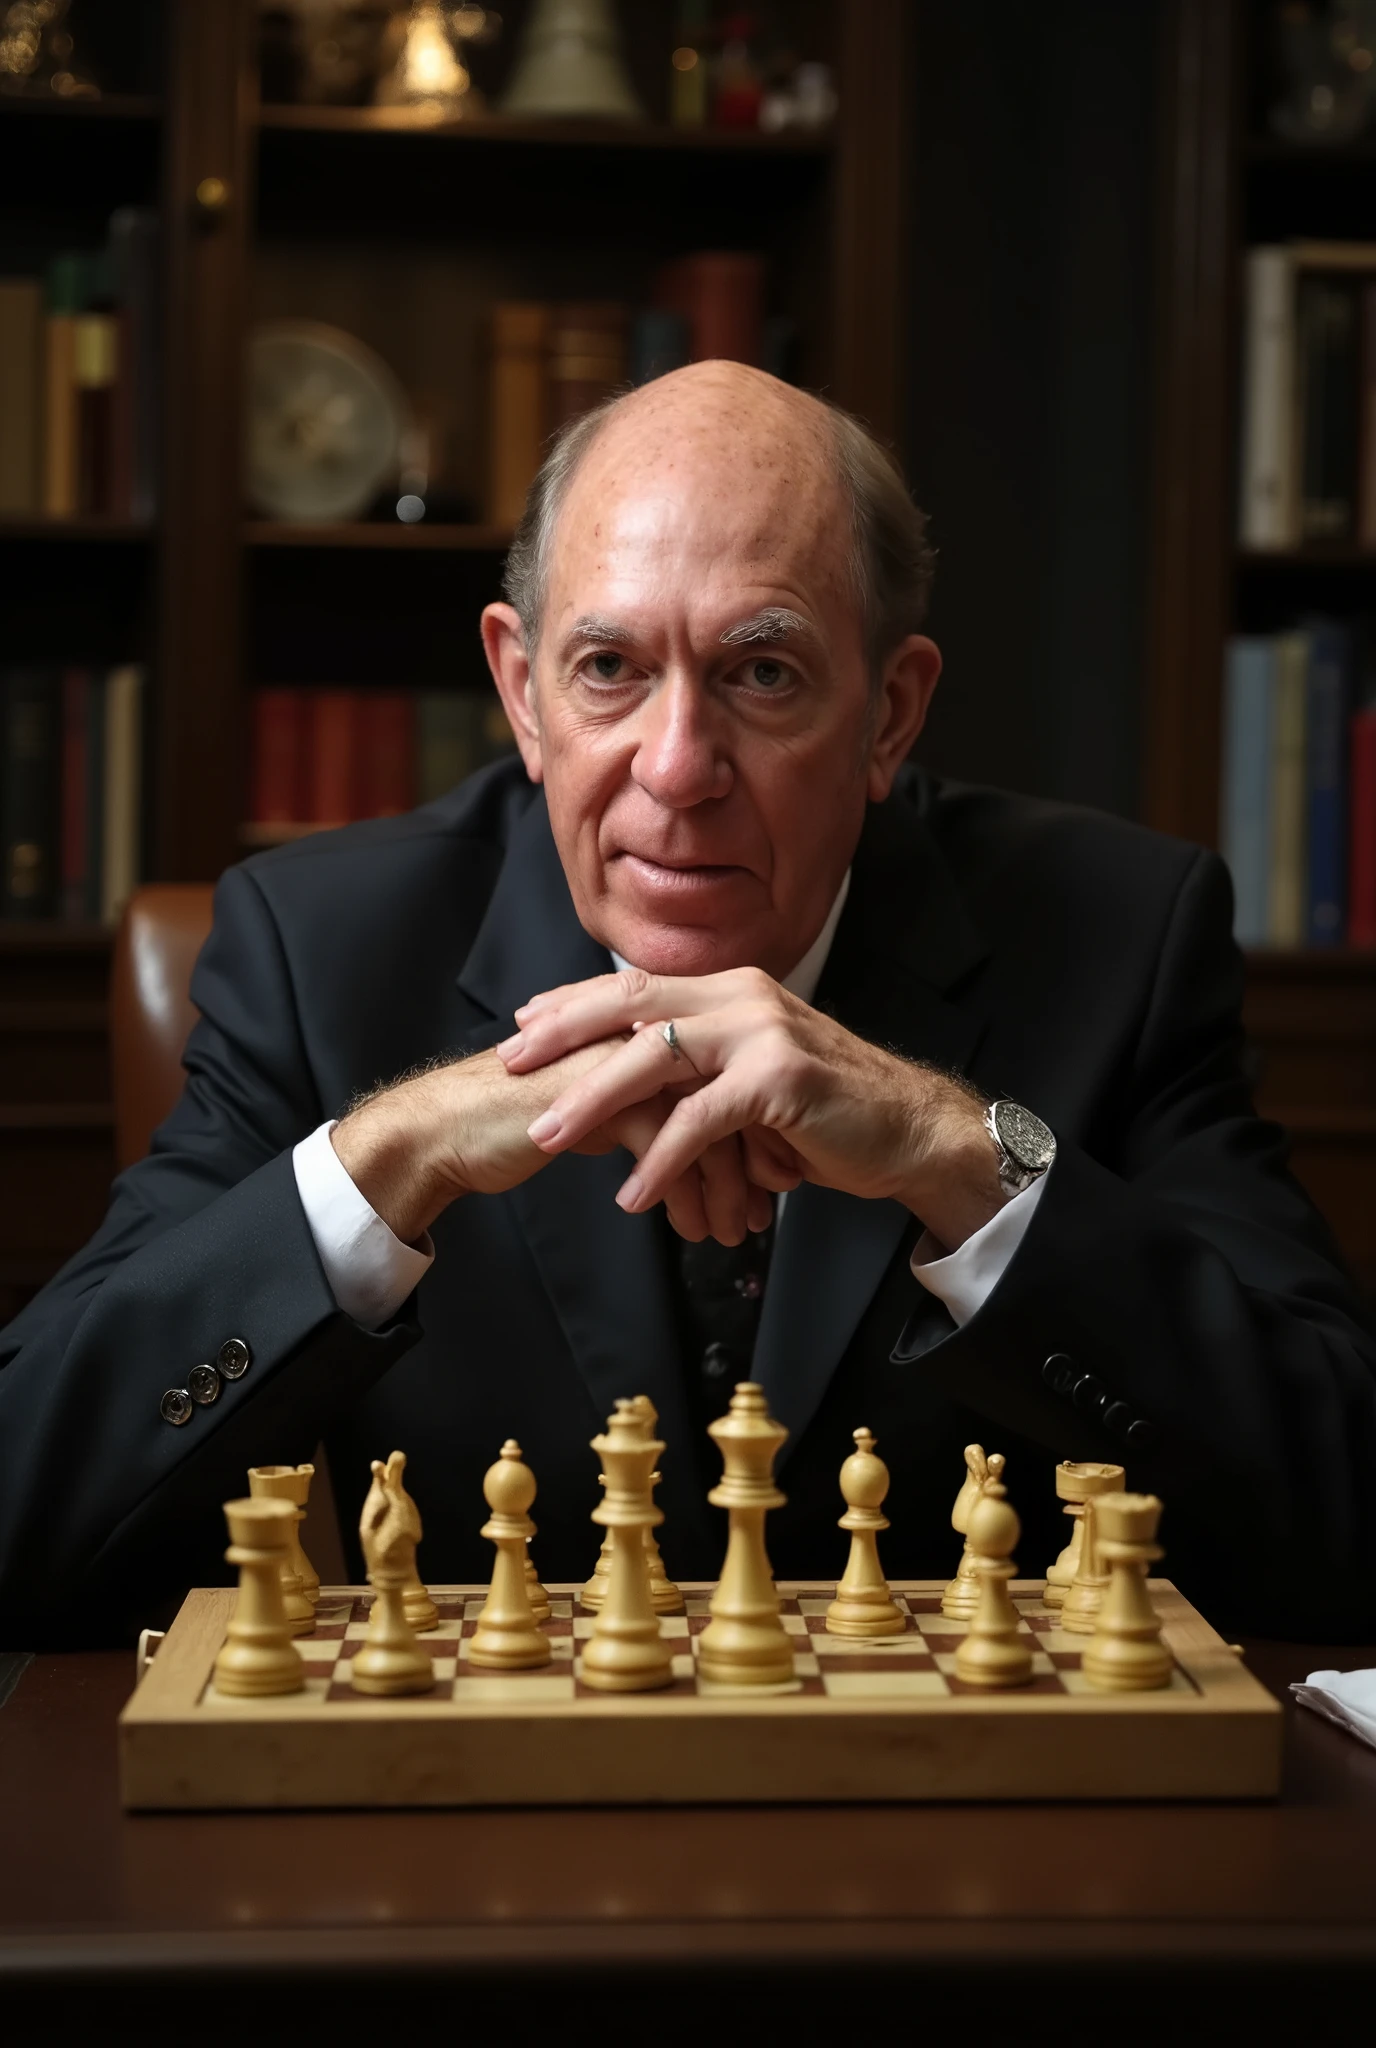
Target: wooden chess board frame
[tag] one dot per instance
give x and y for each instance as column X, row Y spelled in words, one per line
column 863, row 1721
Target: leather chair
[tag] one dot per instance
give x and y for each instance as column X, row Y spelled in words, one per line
column 151, row 1014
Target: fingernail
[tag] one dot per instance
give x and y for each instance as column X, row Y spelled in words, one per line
column 528, row 1009
column 510, row 1045
column 544, row 1128
column 630, row 1192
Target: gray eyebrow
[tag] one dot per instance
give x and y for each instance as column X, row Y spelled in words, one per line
column 591, row 630
column 771, row 627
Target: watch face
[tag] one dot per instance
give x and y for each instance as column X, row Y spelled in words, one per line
column 1025, row 1136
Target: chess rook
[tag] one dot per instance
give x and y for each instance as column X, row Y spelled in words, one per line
column 626, row 1651
column 1126, row 1653
column 293, row 1483
column 745, row 1642
column 863, row 1605
column 258, row 1657
column 506, row 1638
column 390, row 1661
column 1074, row 1483
column 1084, row 1595
column 961, row 1596
column 995, row 1652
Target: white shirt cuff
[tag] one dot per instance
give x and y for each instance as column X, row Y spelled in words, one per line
column 965, row 1279
column 370, row 1271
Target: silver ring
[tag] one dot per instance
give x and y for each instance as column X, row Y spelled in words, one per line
column 669, row 1033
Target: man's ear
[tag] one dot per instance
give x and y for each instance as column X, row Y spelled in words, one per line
column 504, row 643
column 905, row 695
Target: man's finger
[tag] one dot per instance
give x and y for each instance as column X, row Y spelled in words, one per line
column 638, row 1070
column 612, row 1003
column 723, row 1107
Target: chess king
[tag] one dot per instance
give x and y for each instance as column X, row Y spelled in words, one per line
column 732, row 1044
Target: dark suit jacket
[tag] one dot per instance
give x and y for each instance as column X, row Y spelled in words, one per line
column 1193, row 1308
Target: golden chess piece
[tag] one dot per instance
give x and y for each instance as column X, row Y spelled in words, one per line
column 293, row 1483
column 863, row 1605
column 627, row 1651
column 506, row 1638
column 421, row 1610
column 745, row 1642
column 1126, row 1653
column 1084, row 1595
column 390, row 1660
column 595, row 1589
column 995, row 1652
column 258, row 1657
column 961, row 1596
column 1074, row 1483
column 535, row 1592
column 665, row 1596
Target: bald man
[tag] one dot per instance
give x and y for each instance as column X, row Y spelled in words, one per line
column 730, row 1045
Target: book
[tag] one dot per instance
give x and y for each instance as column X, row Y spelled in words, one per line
column 1245, row 809
column 1327, row 689
column 457, row 732
column 82, row 793
column 132, row 252
column 65, row 299
column 29, row 768
column 95, row 339
column 1268, row 515
column 720, row 292
column 277, row 755
column 386, row 777
column 330, row 757
column 586, row 358
column 21, row 355
column 1361, row 873
column 1326, row 325
column 122, row 805
column 660, row 342
column 519, row 334
column 1287, row 882
column 1366, row 420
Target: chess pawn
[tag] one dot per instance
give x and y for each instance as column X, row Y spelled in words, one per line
column 961, row 1597
column 258, row 1657
column 995, row 1652
column 506, row 1638
column 535, row 1592
column 1126, row 1653
column 293, row 1483
column 390, row 1661
column 745, row 1642
column 627, row 1652
column 1084, row 1595
column 863, row 1605
column 665, row 1596
column 1074, row 1483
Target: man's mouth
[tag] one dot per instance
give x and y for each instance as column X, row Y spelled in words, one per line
column 669, row 874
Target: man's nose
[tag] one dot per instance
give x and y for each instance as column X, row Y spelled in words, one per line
column 680, row 760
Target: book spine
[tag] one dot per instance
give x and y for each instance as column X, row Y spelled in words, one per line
column 1361, row 926
column 59, row 416
column 1286, row 893
column 133, row 248
column 30, row 759
column 387, row 753
column 519, row 405
column 1366, row 482
column 76, row 802
column 123, row 789
column 278, row 755
column 1327, row 317
column 1249, row 689
column 95, row 366
column 1269, row 509
column 94, row 903
column 1326, row 703
column 721, row 292
column 660, row 342
column 21, row 350
column 444, row 753
column 330, row 769
column 587, row 359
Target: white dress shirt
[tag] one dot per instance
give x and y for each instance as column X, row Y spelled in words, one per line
column 371, row 1272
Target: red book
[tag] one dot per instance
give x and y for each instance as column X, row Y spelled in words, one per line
column 76, row 848
column 278, row 757
column 386, row 753
column 720, row 292
column 331, row 756
column 1361, row 899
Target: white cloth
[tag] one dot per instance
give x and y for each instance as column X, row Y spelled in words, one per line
column 371, row 1272
column 1347, row 1697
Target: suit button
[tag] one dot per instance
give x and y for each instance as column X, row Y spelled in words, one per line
column 1119, row 1418
column 203, row 1384
column 1141, row 1434
column 1089, row 1394
column 1059, row 1373
column 175, row 1406
column 234, row 1358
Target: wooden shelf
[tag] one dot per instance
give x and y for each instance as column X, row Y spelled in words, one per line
column 53, row 935
column 568, row 134
column 1313, row 555
column 1267, row 149
column 361, row 533
column 90, row 527
column 57, row 1116
column 1322, row 963
column 115, row 106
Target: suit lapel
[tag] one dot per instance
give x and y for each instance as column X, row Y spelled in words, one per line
column 904, row 951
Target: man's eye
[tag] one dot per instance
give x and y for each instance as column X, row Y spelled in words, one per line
column 766, row 675
column 607, row 666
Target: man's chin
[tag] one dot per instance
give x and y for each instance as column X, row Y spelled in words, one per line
column 703, row 935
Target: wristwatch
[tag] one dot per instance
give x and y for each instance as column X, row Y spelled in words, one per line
column 1024, row 1144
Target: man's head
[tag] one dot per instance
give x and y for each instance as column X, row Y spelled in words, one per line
column 712, row 662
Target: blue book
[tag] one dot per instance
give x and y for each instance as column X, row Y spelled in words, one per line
column 1327, row 694
column 1248, row 711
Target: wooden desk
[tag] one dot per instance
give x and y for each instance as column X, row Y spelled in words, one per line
column 715, row 1923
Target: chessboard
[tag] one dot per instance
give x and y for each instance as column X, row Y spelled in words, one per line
column 861, row 1720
